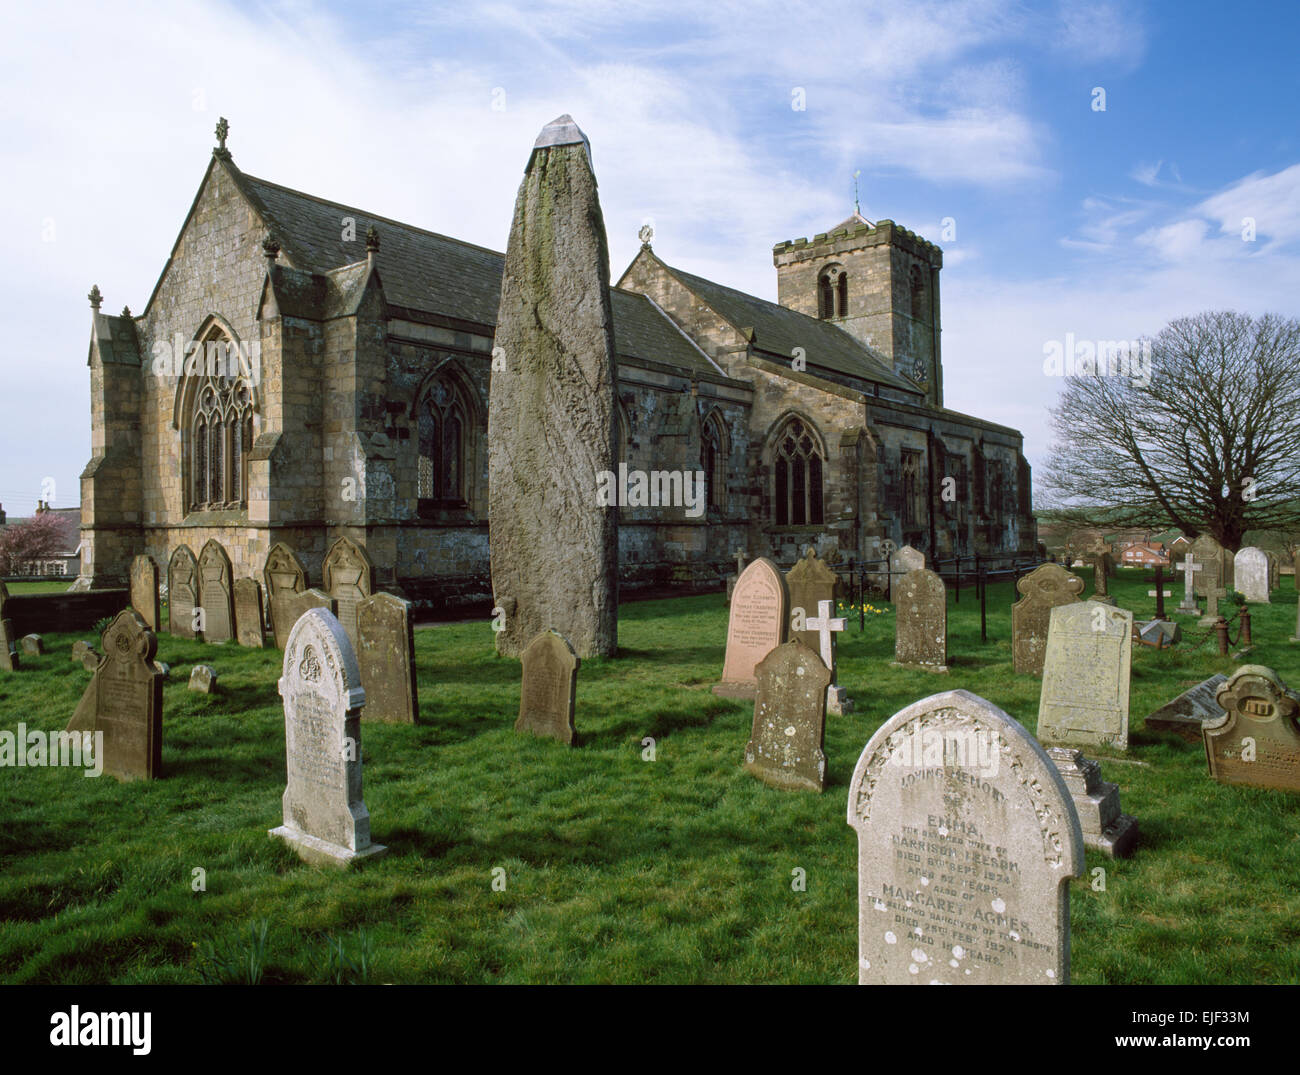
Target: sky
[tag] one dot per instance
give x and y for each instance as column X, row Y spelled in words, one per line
column 1091, row 170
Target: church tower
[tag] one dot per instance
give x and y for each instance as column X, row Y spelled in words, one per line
column 879, row 283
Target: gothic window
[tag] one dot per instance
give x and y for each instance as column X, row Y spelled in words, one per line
column 443, row 427
column 911, row 487
column 714, row 451
column 832, row 292
column 797, row 477
column 220, row 429
column 842, row 295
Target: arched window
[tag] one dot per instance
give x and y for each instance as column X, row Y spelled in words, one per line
column 832, row 292
column 911, row 485
column 797, row 477
column 444, row 428
column 714, row 451
column 842, row 295
column 220, row 426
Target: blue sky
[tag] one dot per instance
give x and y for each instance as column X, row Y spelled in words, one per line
column 1103, row 225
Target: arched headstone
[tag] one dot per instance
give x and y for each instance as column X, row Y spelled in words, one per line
column 182, row 593
column 1042, row 590
column 759, row 622
column 285, row 578
column 216, row 593
column 349, row 578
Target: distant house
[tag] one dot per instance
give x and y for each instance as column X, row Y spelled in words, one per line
column 66, row 560
column 1143, row 554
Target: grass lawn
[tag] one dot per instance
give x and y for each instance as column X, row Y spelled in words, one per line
column 44, row 586
column 616, row 869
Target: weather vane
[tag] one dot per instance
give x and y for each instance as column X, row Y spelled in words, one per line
column 857, row 208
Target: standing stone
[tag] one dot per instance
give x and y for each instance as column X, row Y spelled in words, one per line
column 325, row 819
column 33, row 644
column 1216, row 563
column 809, row 583
column 203, row 679
column 124, row 700
column 349, row 579
column 1255, row 743
column 386, row 657
column 1084, row 700
column 1043, row 589
column 757, row 624
column 216, row 593
column 144, row 591
column 249, row 629
column 967, row 840
column 787, row 745
column 921, row 622
column 285, row 578
column 182, row 593
column 548, row 687
column 10, row 661
column 1187, row 713
column 553, row 528
column 1251, row 571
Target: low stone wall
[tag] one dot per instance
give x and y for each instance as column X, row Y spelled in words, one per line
column 36, row 613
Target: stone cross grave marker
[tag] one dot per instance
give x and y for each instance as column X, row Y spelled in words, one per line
column 216, row 593
column 285, row 578
column 249, row 629
column 144, row 591
column 1189, row 605
column 1250, row 567
column 1084, row 700
column 349, row 579
column 1255, row 742
column 386, row 656
column 325, row 818
column 1212, row 598
column 740, row 570
column 786, row 745
column 124, row 700
column 548, row 687
column 824, row 625
column 1042, row 590
column 967, row 840
column 921, row 622
column 182, row 593
column 810, row 582
column 757, row 624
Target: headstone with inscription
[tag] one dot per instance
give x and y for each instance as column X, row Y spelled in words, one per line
column 809, row 582
column 1216, row 563
column 1251, row 571
column 1084, row 700
column 1187, row 713
column 921, row 622
column 386, row 657
column 249, row 626
column 216, row 593
column 967, row 840
column 144, row 591
column 549, row 684
column 124, row 700
column 182, row 593
column 787, row 745
column 757, row 624
column 325, row 818
column 285, row 578
column 1256, row 742
column 1042, row 590
column 349, row 579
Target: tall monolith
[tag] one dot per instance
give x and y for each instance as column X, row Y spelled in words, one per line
column 552, row 414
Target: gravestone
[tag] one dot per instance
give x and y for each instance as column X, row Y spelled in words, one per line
column 203, row 679
column 1251, row 571
column 552, row 421
column 758, row 622
column 1105, row 827
column 1216, row 565
column 1212, row 598
column 1256, row 742
column 786, row 746
column 349, row 578
column 1274, row 570
column 967, row 840
column 1042, row 590
column 1099, row 556
column 249, row 629
column 182, row 593
column 285, row 578
column 325, row 818
column 548, row 686
column 10, row 661
column 1186, row 714
column 216, row 593
column 1158, row 633
column 301, row 603
column 144, row 591
column 83, row 653
column 1295, row 567
column 921, row 622
column 1189, row 568
column 386, row 657
column 825, row 626
column 809, row 583
column 124, row 700
column 1084, row 700
column 906, row 559
column 33, row 644
column 1296, row 637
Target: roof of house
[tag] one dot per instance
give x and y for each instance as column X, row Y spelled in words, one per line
column 69, row 526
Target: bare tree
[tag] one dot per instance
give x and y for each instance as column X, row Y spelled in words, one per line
column 1206, row 440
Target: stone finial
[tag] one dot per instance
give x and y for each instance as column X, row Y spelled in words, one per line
column 270, row 248
column 372, row 243
column 96, row 297
column 223, row 129
column 645, row 235
column 126, row 311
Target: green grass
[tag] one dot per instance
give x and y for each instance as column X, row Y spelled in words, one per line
column 617, row 869
column 58, row 586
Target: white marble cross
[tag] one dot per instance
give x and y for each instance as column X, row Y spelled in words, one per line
column 1189, row 583
column 823, row 624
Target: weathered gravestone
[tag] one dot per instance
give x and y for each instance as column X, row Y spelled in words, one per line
column 249, row 630
column 1158, row 633
column 1099, row 556
column 906, row 559
column 809, row 583
column 349, row 579
column 10, row 661
column 967, row 840
column 301, row 603
column 1274, row 570
column 203, row 679
column 552, row 524
column 285, row 579
column 548, row 686
column 83, row 653
column 144, row 591
column 1105, row 827
column 1084, row 700
column 1216, row 563
column 182, row 593
column 1250, row 569
column 124, row 700
column 325, row 819
column 1295, row 568
column 1186, row 714
column 1256, row 742
column 921, row 622
column 1212, row 598
column 1189, row 567
column 1043, row 589
column 757, row 624
column 216, row 593
column 33, row 644
column 787, row 745
column 386, row 657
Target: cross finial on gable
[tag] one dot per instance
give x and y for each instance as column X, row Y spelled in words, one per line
column 223, row 129
column 95, row 297
column 372, row 240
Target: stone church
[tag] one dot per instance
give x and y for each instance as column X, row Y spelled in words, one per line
column 306, row 370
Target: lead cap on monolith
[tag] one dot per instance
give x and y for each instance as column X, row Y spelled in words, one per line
column 561, row 131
